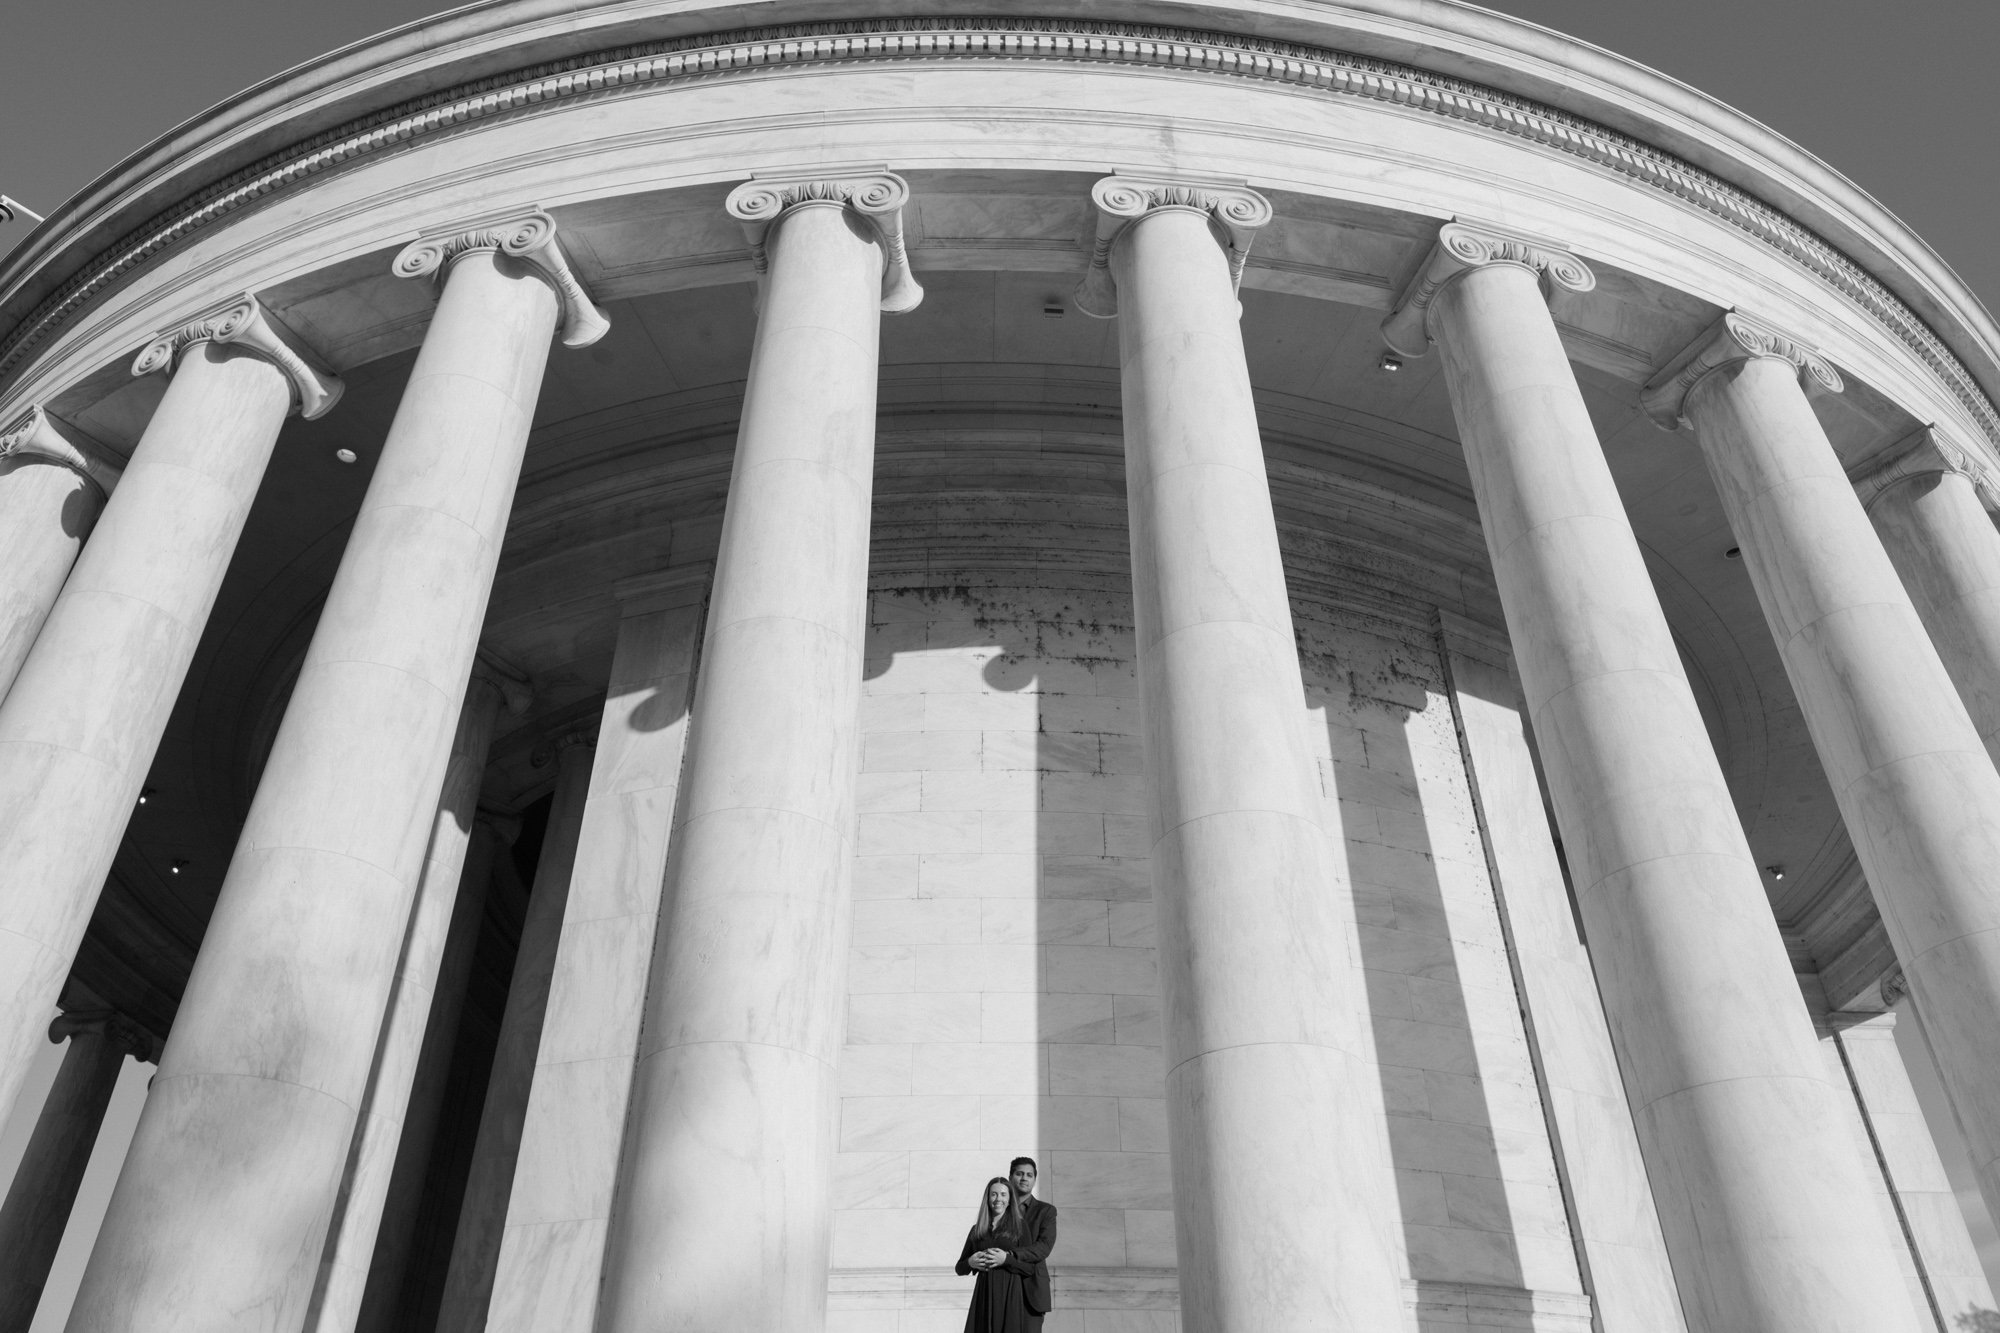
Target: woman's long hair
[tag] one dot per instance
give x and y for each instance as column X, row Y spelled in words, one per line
column 1009, row 1223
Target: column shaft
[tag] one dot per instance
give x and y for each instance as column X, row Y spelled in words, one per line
column 1944, row 546
column 46, row 510
column 722, row 1217
column 79, row 727
column 1283, row 1194
column 44, row 1188
column 1621, row 1252
column 1762, row 1198
column 219, row 1218
column 1915, row 785
column 482, row 1216
column 566, row 1173
column 396, row 1236
column 350, row 1247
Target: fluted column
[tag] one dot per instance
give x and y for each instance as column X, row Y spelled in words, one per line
column 350, row 1245
column 44, row 1187
column 1924, row 500
column 1762, row 1198
column 1284, row 1202
column 566, row 1172
column 722, row 1219
column 79, row 727
column 482, row 1214
column 53, row 484
column 219, row 1218
column 1915, row 785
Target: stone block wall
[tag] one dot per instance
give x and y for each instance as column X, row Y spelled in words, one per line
column 1003, row 996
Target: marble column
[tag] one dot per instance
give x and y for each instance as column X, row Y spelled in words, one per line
column 1284, row 1199
column 53, row 484
column 1915, row 785
column 86, row 711
column 566, row 1173
column 1621, row 1252
column 1924, row 500
column 1762, row 1198
column 1927, row 1209
column 350, row 1245
column 396, row 1237
column 220, row 1216
column 482, row 1215
column 722, row 1219
column 44, row 1187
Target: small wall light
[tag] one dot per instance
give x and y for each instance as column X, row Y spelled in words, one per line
column 1390, row 362
column 1052, row 312
column 147, row 793
column 345, row 455
column 1733, row 553
column 1775, row 872
column 180, row 863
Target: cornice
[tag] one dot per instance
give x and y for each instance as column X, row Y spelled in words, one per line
column 1924, row 452
column 875, row 194
column 512, row 684
column 37, row 433
column 1124, row 197
column 527, row 235
column 1510, row 49
column 242, row 321
column 1462, row 247
column 1735, row 337
column 665, row 590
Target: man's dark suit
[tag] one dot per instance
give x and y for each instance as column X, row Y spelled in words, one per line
column 1041, row 1223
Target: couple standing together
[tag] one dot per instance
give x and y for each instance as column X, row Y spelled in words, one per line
column 1008, row 1247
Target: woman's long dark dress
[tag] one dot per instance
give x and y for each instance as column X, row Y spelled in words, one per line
column 999, row 1297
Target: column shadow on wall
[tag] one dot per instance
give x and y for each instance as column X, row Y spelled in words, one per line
column 1450, row 1182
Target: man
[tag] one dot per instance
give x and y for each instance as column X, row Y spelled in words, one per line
column 1039, row 1221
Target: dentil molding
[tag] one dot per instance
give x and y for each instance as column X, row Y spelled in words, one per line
column 1123, row 198
column 1462, row 247
column 529, row 236
column 1225, row 55
column 1735, row 337
column 37, row 434
column 243, row 322
column 875, row 194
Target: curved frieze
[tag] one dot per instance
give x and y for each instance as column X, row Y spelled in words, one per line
column 242, row 320
column 1124, row 197
column 1222, row 54
column 878, row 196
column 528, row 236
column 1462, row 247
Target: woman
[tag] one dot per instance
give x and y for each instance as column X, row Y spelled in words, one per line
column 999, row 1300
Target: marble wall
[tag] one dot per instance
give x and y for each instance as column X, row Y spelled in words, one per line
column 1003, row 996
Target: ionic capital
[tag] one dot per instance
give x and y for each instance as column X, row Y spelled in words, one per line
column 876, row 196
column 1735, row 337
column 510, row 683
column 1234, row 212
column 1895, row 985
column 1924, row 452
column 529, row 236
column 550, row 747
column 1462, row 247
column 114, row 1027
column 243, row 322
column 37, row 434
